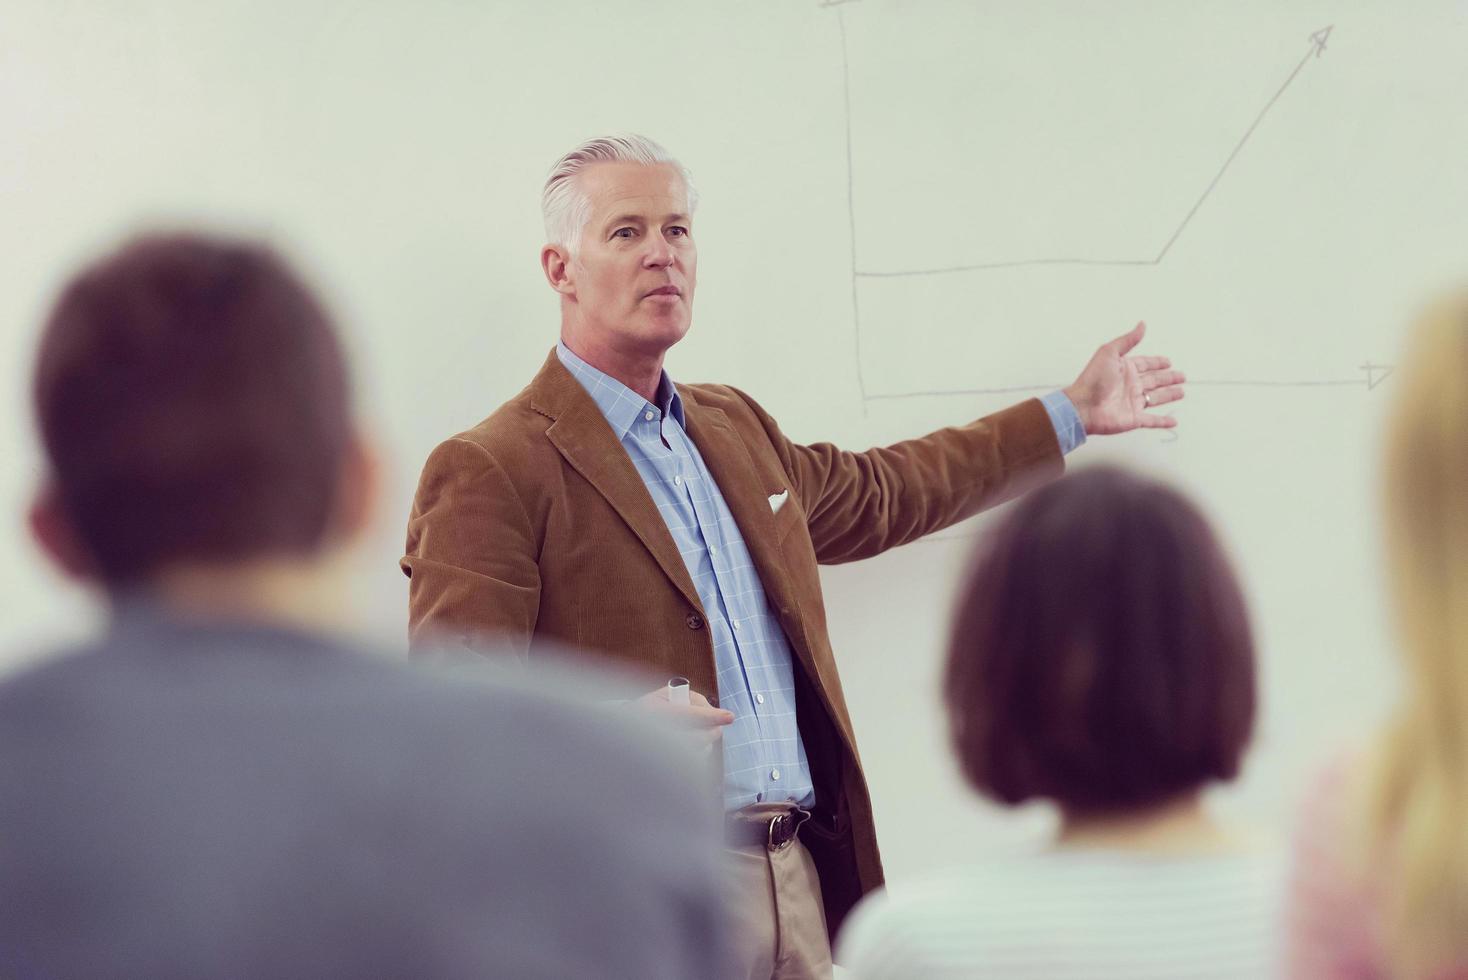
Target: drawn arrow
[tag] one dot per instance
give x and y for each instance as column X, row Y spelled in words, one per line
column 1372, row 377
column 1319, row 39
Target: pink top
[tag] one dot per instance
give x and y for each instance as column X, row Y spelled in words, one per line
column 1332, row 929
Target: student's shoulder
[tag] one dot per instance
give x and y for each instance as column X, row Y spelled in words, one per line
column 50, row 670
column 58, row 692
column 565, row 709
column 961, row 890
column 921, row 926
column 67, row 665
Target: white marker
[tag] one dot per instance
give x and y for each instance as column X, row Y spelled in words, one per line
column 678, row 690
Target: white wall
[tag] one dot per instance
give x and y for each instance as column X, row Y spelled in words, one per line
column 398, row 148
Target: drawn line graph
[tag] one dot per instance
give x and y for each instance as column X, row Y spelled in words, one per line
column 1373, row 374
column 1317, row 47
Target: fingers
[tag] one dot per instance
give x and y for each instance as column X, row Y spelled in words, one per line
column 717, row 716
column 698, row 716
column 1123, row 344
column 1161, row 396
column 691, row 715
column 704, row 723
column 1152, row 380
column 1149, row 365
column 1157, row 422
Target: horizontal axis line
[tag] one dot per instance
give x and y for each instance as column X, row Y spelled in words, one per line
column 1018, row 389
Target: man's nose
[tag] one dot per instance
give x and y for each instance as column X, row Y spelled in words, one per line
column 659, row 254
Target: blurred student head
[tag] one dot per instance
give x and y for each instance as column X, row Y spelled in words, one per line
column 1417, row 806
column 193, row 406
column 1101, row 656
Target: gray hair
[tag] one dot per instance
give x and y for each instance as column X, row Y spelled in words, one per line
column 566, row 210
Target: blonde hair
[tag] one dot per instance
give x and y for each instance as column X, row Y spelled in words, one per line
column 564, row 207
column 1416, row 806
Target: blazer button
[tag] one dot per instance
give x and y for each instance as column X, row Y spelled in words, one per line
column 694, row 621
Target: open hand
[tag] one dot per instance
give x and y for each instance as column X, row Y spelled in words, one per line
column 1115, row 391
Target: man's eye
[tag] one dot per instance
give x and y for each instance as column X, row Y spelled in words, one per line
column 623, row 233
column 678, row 231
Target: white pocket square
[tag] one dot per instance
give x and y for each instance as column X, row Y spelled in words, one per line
column 777, row 500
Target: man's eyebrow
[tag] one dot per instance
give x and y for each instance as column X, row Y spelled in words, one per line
column 626, row 219
column 639, row 220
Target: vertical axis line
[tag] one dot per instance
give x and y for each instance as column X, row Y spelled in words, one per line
column 851, row 208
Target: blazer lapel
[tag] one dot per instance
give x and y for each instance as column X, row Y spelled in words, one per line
column 733, row 469
column 582, row 436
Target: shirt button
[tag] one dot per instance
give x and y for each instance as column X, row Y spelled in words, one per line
column 677, row 481
column 713, row 552
column 759, row 699
column 647, row 415
column 736, row 625
column 694, row 621
column 774, row 774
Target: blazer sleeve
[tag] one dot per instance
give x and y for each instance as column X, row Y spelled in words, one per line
column 860, row 504
column 471, row 561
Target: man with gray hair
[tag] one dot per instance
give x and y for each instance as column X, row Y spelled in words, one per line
column 675, row 527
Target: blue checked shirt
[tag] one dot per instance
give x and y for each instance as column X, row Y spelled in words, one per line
column 764, row 759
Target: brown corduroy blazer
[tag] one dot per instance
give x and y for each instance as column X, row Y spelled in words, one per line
column 535, row 524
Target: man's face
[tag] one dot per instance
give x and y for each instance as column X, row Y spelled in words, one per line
column 635, row 266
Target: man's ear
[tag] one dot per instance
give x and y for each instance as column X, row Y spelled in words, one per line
column 555, row 261
column 56, row 535
column 358, row 489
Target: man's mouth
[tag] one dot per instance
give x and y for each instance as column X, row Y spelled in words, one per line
column 666, row 291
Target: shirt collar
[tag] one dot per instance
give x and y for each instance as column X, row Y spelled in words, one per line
column 619, row 404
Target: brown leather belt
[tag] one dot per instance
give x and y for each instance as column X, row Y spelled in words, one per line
column 774, row 832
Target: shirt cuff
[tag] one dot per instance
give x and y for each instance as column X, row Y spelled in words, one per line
column 1067, row 421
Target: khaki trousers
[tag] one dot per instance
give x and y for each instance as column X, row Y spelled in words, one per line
column 779, row 916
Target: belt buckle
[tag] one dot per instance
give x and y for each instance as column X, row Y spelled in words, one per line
column 790, row 827
column 779, row 820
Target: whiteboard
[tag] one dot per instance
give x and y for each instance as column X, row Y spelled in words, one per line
column 913, row 213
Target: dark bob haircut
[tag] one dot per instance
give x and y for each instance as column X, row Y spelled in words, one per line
column 1101, row 654
column 192, row 400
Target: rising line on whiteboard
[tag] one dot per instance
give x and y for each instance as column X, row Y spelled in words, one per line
column 1317, row 47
